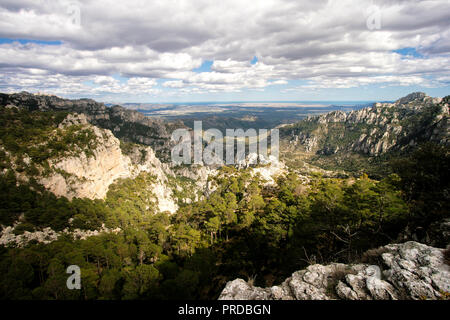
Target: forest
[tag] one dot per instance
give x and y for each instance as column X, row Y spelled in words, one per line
column 243, row 229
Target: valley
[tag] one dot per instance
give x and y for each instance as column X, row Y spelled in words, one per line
column 88, row 184
column 246, row 115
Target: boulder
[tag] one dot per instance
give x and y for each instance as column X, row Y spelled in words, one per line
column 409, row 270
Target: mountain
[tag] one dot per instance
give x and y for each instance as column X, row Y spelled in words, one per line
column 338, row 140
column 75, row 190
column 126, row 124
column 75, row 159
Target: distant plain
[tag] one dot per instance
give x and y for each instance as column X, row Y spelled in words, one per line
column 232, row 115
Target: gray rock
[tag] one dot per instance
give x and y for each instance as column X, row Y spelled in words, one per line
column 240, row 290
column 375, row 130
column 411, row 271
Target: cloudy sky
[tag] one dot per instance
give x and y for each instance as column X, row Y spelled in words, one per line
column 166, row 50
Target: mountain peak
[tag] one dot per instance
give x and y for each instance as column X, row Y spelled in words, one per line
column 419, row 96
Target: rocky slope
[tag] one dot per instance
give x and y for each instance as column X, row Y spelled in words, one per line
column 126, row 124
column 375, row 130
column 89, row 173
column 398, row 271
column 268, row 168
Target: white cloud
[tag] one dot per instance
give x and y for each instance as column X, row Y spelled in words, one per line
column 324, row 42
column 343, row 83
column 173, row 84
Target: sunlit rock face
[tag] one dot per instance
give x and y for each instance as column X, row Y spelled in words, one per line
column 410, row 270
column 271, row 169
column 47, row 235
column 375, row 130
column 90, row 175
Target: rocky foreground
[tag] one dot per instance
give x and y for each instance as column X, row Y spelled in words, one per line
column 410, row 270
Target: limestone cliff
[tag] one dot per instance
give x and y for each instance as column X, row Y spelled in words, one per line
column 374, row 130
column 398, row 271
column 125, row 124
column 89, row 174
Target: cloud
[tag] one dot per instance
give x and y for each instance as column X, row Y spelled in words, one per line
column 74, row 86
column 173, row 84
column 326, row 43
column 344, row 83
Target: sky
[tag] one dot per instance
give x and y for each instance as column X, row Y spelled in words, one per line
column 265, row 50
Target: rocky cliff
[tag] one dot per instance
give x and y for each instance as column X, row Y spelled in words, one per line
column 126, row 124
column 398, row 271
column 89, row 173
column 374, row 130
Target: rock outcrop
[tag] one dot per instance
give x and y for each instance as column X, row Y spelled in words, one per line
column 375, row 130
column 125, row 124
column 270, row 168
column 89, row 174
column 46, row 235
column 85, row 175
column 403, row 271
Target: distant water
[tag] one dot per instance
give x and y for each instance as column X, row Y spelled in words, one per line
column 231, row 103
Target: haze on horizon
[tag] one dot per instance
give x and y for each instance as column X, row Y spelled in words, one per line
column 182, row 51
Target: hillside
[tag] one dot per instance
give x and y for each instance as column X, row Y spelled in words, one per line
column 128, row 125
column 350, row 141
column 73, row 158
column 72, row 192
